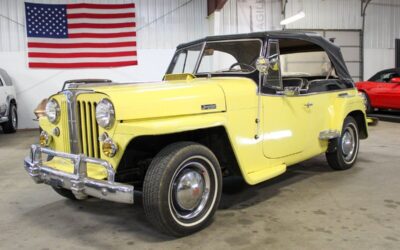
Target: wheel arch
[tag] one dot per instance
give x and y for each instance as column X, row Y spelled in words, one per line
column 360, row 118
column 142, row 149
column 11, row 100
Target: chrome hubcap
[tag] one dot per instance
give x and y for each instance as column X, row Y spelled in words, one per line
column 190, row 190
column 348, row 144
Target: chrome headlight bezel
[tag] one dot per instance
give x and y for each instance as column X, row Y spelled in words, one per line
column 105, row 113
column 53, row 111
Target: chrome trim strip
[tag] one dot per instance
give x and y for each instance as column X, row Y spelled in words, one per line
column 313, row 93
column 78, row 181
column 73, row 119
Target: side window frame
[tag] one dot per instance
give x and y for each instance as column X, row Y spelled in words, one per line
column 2, row 82
column 265, row 87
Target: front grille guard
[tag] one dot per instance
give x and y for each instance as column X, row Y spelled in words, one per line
column 78, row 182
column 80, row 161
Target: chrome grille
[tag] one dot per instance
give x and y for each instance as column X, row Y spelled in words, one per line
column 89, row 130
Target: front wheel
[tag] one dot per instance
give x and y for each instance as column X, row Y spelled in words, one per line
column 342, row 152
column 182, row 188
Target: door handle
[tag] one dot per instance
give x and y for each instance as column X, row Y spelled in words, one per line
column 308, row 104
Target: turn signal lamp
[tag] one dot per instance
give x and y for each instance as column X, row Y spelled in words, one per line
column 109, row 147
column 45, row 139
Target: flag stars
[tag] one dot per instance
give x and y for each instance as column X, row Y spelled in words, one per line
column 47, row 21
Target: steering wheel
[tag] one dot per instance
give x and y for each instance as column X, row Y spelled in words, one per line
column 249, row 68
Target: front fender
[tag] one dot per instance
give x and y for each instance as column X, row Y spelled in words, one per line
column 125, row 132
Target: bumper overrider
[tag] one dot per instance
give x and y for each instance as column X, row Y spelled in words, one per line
column 78, row 182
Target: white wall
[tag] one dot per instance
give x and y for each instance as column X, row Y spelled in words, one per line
column 234, row 16
column 382, row 28
column 325, row 14
column 161, row 25
column 33, row 85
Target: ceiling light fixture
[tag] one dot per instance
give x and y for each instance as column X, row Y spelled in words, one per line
column 293, row 19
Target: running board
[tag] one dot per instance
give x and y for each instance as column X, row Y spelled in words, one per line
column 329, row 134
column 265, row 174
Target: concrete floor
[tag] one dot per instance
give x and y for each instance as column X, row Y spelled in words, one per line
column 309, row 207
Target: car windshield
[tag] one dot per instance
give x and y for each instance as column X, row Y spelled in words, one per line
column 217, row 58
column 384, row 76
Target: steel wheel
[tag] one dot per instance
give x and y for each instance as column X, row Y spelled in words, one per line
column 190, row 188
column 348, row 144
column 342, row 152
column 182, row 188
column 14, row 118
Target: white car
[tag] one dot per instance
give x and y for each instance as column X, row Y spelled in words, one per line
column 8, row 104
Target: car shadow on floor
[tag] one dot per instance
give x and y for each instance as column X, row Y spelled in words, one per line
column 238, row 195
column 103, row 215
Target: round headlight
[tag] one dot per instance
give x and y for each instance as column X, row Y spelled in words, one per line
column 53, row 111
column 105, row 114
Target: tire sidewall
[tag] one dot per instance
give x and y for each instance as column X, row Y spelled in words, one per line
column 174, row 166
column 13, row 110
column 348, row 122
column 8, row 126
column 158, row 184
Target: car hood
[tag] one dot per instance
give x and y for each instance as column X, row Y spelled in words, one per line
column 164, row 99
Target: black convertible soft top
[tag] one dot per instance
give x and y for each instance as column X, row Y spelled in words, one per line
column 320, row 43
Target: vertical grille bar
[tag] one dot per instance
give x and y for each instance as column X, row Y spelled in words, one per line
column 89, row 129
column 95, row 130
column 64, row 124
column 83, row 127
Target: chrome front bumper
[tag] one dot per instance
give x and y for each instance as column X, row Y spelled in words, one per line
column 78, row 182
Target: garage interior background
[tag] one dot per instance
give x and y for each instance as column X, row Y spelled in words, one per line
column 161, row 25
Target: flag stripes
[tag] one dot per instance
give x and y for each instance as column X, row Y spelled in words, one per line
column 81, row 35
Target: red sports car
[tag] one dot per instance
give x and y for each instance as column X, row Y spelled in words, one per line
column 382, row 90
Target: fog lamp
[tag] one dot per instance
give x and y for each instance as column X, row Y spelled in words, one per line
column 109, row 147
column 45, row 139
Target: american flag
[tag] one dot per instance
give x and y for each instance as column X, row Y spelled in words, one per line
column 81, row 35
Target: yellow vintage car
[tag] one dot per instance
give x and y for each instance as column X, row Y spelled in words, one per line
column 247, row 104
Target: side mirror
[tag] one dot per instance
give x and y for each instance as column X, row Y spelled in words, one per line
column 395, row 80
column 262, row 65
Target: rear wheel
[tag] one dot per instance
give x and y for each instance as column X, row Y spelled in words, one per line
column 12, row 124
column 342, row 152
column 182, row 188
